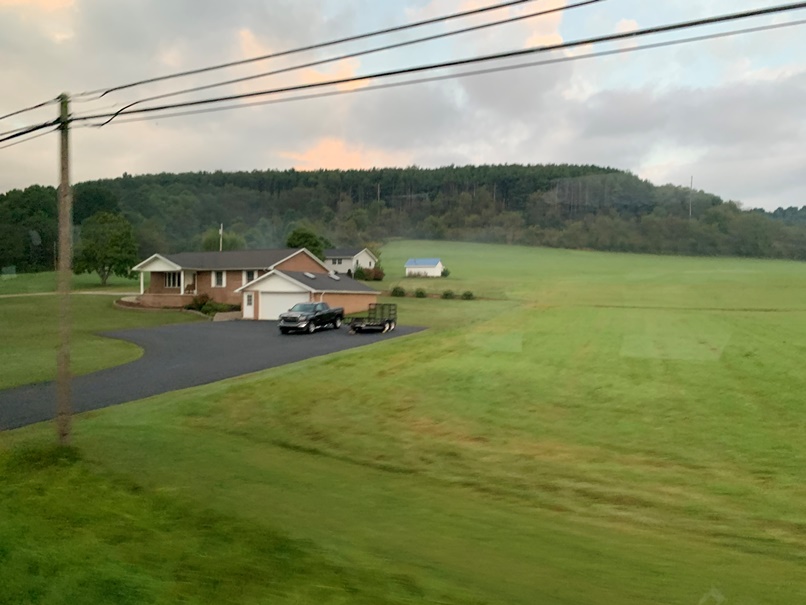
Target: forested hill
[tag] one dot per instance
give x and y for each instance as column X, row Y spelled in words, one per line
column 568, row 206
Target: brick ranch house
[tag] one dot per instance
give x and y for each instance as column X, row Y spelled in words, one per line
column 177, row 278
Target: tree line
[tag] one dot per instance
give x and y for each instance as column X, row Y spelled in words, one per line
column 569, row 206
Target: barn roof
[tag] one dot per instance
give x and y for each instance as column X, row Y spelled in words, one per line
column 423, row 262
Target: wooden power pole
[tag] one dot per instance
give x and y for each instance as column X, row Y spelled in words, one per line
column 63, row 375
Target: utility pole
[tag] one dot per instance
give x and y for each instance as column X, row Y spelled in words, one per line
column 63, row 375
column 690, row 194
column 221, row 237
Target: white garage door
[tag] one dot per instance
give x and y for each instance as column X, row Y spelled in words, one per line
column 274, row 303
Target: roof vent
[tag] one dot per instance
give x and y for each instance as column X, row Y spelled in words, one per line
column 336, row 277
column 309, row 275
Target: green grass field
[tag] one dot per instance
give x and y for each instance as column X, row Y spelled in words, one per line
column 603, row 429
column 30, row 335
column 33, row 283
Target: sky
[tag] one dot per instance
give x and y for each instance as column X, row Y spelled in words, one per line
column 731, row 112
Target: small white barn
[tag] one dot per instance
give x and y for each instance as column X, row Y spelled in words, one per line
column 424, row 267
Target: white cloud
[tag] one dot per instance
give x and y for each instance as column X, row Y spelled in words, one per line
column 727, row 111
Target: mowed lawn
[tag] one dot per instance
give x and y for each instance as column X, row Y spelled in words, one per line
column 32, row 283
column 29, row 329
column 603, row 429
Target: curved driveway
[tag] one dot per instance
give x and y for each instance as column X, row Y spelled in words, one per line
column 180, row 356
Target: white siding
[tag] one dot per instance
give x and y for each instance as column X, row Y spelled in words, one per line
column 363, row 259
column 158, row 265
column 274, row 303
column 425, row 271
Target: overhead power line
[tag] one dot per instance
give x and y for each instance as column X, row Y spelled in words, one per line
column 388, row 30
column 31, row 138
column 478, row 72
column 21, row 132
column 31, row 108
column 361, row 53
column 461, row 62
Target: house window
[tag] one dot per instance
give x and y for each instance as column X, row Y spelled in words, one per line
column 338, row 261
column 219, row 279
column 249, row 300
column 248, row 276
column 172, row 279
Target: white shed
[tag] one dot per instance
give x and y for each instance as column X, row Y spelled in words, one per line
column 424, row 267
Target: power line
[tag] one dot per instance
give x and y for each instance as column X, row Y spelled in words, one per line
column 360, row 53
column 389, row 30
column 461, row 62
column 36, row 136
column 479, row 72
column 21, row 132
column 31, row 108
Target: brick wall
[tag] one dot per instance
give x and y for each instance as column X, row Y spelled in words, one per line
column 352, row 303
column 157, row 285
column 301, row 262
column 171, row 301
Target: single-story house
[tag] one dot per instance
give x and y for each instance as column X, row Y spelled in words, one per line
column 177, row 278
column 347, row 260
column 424, row 267
column 278, row 290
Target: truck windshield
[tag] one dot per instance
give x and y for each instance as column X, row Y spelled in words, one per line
column 304, row 308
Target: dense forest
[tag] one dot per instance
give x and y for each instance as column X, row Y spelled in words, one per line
column 567, row 206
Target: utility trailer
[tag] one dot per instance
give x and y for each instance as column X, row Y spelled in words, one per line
column 381, row 317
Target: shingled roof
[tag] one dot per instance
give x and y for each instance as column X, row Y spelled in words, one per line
column 322, row 282
column 231, row 259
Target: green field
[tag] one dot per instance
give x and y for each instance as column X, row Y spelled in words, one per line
column 34, row 283
column 30, row 335
column 600, row 429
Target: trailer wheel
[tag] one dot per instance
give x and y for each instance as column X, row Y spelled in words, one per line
column 392, row 325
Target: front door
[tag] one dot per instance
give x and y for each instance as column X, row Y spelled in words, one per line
column 249, row 305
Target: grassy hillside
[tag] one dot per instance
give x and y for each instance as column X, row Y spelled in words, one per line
column 610, row 429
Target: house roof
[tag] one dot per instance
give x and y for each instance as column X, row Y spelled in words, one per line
column 320, row 282
column 423, row 262
column 230, row 259
column 347, row 252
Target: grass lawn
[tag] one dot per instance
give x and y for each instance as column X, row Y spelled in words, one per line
column 32, row 283
column 611, row 429
column 30, row 335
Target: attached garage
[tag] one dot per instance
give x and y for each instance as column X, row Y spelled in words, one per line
column 273, row 303
column 274, row 293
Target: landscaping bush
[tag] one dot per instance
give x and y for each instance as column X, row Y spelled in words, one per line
column 419, row 293
column 211, row 308
column 467, row 295
column 378, row 273
column 398, row 291
column 448, row 294
column 360, row 273
column 446, row 272
column 198, row 302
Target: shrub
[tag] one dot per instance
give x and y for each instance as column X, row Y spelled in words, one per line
column 419, row 293
column 398, row 291
column 448, row 294
column 198, row 302
column 378, row 273
column 360, row 273
column 211, row 308
column 446, row 272
column 467, row 295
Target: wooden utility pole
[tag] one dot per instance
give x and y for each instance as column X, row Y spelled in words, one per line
column 63, row 376
column 690, row 194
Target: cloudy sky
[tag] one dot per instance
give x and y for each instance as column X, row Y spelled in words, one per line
column 730, row 112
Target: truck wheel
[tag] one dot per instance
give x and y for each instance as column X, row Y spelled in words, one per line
column 392, row 325
column 310, row 328
column 337, row 323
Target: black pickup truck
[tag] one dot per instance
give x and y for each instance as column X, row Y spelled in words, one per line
column 309, row 317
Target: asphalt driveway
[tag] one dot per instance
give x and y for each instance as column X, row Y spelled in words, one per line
column 181, row 356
